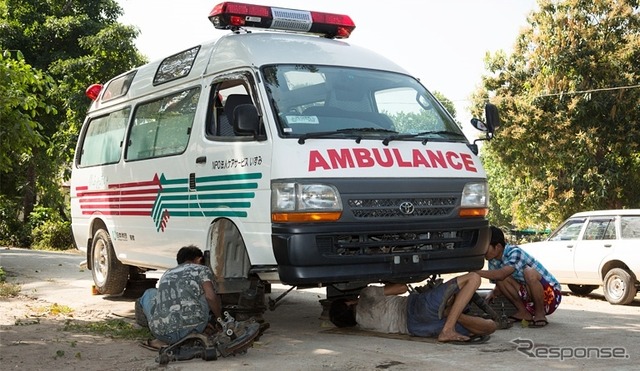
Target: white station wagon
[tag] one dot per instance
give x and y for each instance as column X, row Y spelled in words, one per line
column 595, row 248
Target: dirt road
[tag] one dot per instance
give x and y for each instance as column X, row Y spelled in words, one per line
column 585, row 333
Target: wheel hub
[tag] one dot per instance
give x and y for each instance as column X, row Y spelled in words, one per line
column 617, row 287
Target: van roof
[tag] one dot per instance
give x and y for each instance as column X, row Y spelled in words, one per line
column 254, row 50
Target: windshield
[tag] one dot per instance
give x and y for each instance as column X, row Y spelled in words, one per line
column 348, row 102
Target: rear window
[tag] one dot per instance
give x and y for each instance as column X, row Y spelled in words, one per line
column 102, row 140
column 630, row 226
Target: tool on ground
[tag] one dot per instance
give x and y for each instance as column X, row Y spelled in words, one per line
column 235, row 337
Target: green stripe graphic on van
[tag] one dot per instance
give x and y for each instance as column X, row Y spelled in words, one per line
column 214, row 196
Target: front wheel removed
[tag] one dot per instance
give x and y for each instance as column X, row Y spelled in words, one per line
column 235, row 337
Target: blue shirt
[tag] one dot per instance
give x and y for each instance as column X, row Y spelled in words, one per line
column 517, row 258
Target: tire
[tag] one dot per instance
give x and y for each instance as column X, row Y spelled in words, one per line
column 619, row 287
column 109, row 274
column 582, row 290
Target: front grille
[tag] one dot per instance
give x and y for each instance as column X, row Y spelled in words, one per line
column 375, row 208
column 396, row 243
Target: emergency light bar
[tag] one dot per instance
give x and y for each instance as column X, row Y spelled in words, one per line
column 232, row 16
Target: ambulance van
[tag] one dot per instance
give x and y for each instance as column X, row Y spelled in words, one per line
column 288, row 157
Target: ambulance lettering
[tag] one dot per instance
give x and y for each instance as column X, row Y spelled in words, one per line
column 346, row 158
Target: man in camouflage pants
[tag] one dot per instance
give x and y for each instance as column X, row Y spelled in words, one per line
column 182, row 302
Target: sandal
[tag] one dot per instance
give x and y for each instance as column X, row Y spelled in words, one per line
column 149, row 344
column 537, row 323
column 475, row 339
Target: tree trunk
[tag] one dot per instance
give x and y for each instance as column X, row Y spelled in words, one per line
column 30, row 195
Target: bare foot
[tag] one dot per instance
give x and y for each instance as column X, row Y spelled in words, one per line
column 451, row 335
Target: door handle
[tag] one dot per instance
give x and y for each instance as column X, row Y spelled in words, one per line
column 607, row 245
column 569, row 246
column 201, row 160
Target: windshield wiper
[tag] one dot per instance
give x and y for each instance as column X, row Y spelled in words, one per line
column 321, row 134
column 388, row 139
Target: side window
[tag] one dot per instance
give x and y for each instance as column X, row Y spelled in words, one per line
column 569, row 231
column 118, row 86
column 225, row 97
column 630, row 226
column 102, row 140
column 602, row 229
column 162, row 127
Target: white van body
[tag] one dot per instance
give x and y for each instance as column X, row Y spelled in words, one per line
column 296, row 201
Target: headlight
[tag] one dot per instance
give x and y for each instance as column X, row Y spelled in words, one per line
column 296, row 202
column 318, row 197
column 283, row 196
column 475, row 200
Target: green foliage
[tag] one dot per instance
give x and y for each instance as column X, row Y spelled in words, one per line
column 40, row 215
column 12, row 231
column 568, row 99
column 113, row 328
column 22, row 96
column 49, row 231
column 58, row 49
column 52, row 235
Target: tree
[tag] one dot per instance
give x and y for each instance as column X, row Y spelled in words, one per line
column 568, row 99
column 22, row 93
column 74, row 43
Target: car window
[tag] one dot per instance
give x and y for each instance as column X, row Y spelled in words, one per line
column 610, row 232
column 569, row 231
column 102, row 141
column 630, row 226
column 162, row 127
column 600, row 229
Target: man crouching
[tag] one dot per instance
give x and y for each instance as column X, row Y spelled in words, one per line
column 428, row 314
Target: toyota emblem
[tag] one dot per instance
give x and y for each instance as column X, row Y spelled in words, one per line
column 407, row 208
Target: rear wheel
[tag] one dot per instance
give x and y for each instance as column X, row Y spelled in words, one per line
column 109, row 274
column 619, row 287
column 582, row 289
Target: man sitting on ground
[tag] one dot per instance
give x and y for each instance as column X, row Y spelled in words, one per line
column 428, row 314
column 526, row 283
column 182, row 302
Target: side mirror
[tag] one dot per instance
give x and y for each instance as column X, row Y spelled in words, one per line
column 492, row 117
column 492, row 121
column 246, row 120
